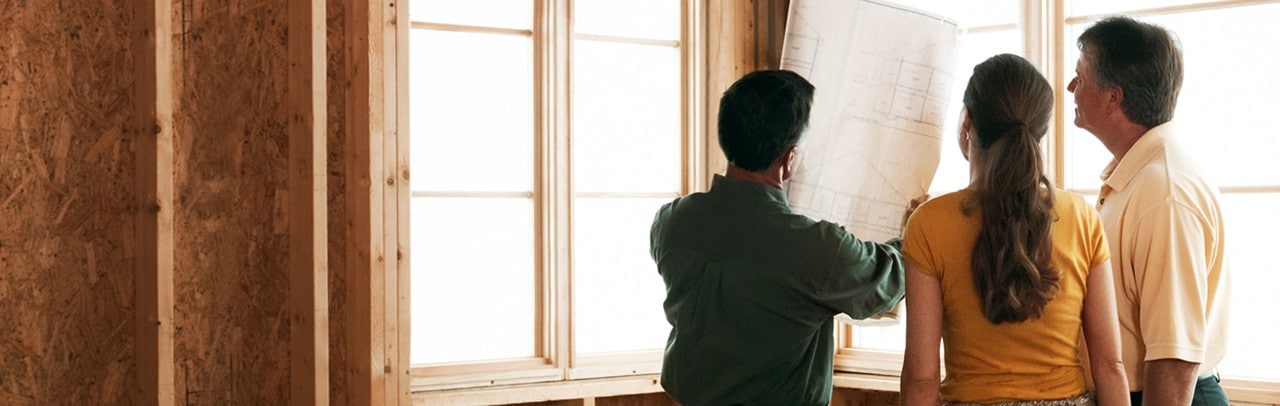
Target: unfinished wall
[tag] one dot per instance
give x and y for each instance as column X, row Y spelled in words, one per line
column 231, row 279
column 338, row 367
column 66, row 184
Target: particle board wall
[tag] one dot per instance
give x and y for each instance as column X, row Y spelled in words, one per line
column 337, row 204
column 231, row 278
column 66, row 188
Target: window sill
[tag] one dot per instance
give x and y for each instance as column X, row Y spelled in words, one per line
column 542, row 392
column 1241, row 392
column 1250, row 393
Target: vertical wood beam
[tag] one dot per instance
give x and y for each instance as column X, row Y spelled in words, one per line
column 400, row 303
column 553, row 41
column 694, row 59
column 153, row 140
column 376, row 268
column 1043, row 30
column 308, row 212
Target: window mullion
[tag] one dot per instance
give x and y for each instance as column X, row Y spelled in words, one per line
column 552, row 186
column 693, row 82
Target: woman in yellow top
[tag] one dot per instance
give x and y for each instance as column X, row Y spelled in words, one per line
column 1008, row 271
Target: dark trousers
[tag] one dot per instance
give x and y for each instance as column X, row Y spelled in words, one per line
column 1208, row 393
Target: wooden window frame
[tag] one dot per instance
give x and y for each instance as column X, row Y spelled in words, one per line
column 557, row 373
column 1043, row 26
column 554, row 359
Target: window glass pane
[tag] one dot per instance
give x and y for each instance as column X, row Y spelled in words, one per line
column 486, row 13
column 1084, row 156
column 970, row 13
column 649, row 19
column 953, row 170
column 472, row 283
column 1227, row 108
column 626, row 117
column 1251, row 222
column 471, row 111
column 618, row 292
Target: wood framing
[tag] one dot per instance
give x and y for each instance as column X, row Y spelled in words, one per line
column 552, row 195
column 375, row 172
column 742, row 37
column 693, row 85
column 308, row 214
column 153, row 135
column 400, row 170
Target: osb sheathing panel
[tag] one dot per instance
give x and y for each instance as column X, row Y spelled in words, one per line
column 231, row 243
column 337, row 204
column 66, row 183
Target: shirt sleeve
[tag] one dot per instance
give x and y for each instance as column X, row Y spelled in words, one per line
column 1094, row 232
column 866, row 279
column 915, row 244
column 1171, row 269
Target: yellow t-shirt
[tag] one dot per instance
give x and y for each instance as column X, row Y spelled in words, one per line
column 1033, row 360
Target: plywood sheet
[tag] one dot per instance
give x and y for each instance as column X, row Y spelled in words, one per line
column 338, row 368
column 66, row 184
column 231, row 245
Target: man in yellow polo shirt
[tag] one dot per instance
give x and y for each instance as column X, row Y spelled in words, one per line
column 1160, row 212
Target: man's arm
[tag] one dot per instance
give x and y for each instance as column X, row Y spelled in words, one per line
column 866, row 279
column 1169, row 382
column 1172, row 268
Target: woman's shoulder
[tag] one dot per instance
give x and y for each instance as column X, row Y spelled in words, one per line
column 1072, row 202
column 949, row 204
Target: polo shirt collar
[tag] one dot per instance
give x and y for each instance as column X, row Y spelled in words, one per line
column 739, row 187
column 1118, row 174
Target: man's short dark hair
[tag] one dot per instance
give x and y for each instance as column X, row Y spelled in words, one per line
column 1143, row 59
column 761, row 115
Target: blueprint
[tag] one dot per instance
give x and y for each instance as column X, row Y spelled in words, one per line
column 883, row 75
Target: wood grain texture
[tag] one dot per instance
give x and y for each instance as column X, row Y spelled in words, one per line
column 337, row 199
column 307, row 216
column 231, row 278
column 67, row 255
column 152, row 131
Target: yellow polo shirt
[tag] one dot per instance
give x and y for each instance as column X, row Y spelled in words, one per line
column 988, row 363
column 1165, row 228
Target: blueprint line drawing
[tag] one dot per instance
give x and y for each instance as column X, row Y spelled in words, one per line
column 883, row 75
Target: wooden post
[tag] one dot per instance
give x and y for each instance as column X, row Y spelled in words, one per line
column 376, row 269
column 308, row 214
column 400, row 168
column 153, row 138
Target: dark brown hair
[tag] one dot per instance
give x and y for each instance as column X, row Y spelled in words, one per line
column 1009, row 105
column 1141, row 58
column 763, row 114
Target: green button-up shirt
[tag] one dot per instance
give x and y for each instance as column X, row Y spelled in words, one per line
column 751, row 291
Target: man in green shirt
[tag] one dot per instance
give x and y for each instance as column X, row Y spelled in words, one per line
column 751, row 286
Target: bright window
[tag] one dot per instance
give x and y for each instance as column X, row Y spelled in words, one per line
column 545, row 134
column 472, row 148
column 627, row 135
column 1226, row 112
column 1227, row 104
